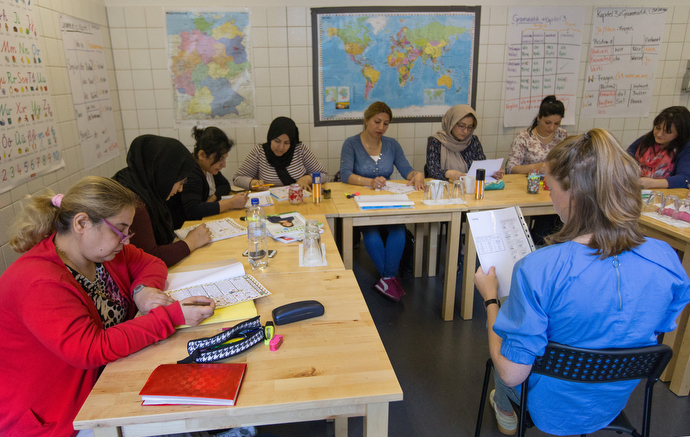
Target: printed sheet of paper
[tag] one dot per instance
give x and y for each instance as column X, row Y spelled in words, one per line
column 283, row 193
column 490, row 165
column 502, row 238
column 220, row 229
column 226, row 285
column 395, row 187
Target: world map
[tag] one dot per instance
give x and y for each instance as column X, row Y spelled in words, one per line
column 420, row 64
column 210, row 65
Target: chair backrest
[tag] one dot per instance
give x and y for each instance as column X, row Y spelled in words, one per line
column 602, row 365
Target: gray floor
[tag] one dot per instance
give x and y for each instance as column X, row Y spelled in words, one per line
column 440, row 366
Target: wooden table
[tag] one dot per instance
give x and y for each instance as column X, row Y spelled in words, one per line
column 286, row 259
column 514, row 194
column 352, row 216
column 333, row 366
column 678, row 369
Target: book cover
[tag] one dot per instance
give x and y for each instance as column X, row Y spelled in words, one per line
column 194, row 384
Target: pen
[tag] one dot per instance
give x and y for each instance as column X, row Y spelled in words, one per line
column 196, row 304
column 262, row 185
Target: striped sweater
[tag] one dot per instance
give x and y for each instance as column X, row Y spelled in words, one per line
column 256, row 166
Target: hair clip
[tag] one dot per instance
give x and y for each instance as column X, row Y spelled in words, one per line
column 57, row 200
column 586, row 136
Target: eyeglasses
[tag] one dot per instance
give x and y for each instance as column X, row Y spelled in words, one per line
column 463, row 127
column 122, row 236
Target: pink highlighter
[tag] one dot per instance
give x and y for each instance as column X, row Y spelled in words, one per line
column 275, row 342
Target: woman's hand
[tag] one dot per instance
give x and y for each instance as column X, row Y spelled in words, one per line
column 194, row 314
column 378, row 182
column 149, row 298
column 653, row 183
column 498, row 175
column 454, row 175
column 238, row 201
column 304, row 182
column 199, row 236
column 257, row 185
column 417, row 181
column 487, row 284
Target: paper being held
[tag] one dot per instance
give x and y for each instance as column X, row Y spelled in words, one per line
column 490, row 165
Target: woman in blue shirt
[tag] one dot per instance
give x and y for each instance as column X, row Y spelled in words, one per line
column 599, row 284
column 368, row 159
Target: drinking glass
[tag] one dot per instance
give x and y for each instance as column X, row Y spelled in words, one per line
column 312, row 225
column 457, row 195
column 436, row 193
column 683, row 211
column 312, row 254
column 653, row 202
column 669, row 205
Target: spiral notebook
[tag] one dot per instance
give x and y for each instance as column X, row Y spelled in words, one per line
column 501, row 237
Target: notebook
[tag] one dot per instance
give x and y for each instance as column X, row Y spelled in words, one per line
column 384, row 201
column 194, row 384
column 220, row 229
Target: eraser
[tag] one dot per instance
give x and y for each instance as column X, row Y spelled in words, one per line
column 275, row 342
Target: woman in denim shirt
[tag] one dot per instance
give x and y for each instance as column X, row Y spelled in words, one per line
column 368, row 159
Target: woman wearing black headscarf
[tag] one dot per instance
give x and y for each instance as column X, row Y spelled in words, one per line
column 281, row 160
column 156, row 170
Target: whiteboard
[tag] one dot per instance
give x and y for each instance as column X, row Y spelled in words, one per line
column 544, row 46
column 623, row 57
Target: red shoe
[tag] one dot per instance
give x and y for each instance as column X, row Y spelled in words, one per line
column 389, row 288
column 399, row 288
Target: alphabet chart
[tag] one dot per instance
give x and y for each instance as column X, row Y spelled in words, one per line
column 623, row 58
column 88, row 79
column 27, row 125
column 544, row 45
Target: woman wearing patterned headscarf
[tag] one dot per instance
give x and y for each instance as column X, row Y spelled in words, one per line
column 451, row 151
column 156, row 170
column 281, row 160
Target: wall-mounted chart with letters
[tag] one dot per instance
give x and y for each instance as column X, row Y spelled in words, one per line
column 28, row 133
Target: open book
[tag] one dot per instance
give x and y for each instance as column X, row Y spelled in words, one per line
column 501, row 237
column 286, row 227
column 225, row 282
column 220, row 229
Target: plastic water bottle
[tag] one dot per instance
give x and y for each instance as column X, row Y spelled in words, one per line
column 257, row 237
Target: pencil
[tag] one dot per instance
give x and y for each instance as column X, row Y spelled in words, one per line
column 196, row 304
column 262, row 185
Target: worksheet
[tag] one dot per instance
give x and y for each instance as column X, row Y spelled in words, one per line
column 490, row 165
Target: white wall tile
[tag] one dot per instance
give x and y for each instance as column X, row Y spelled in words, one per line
column 139, row 59
column 296, row 16
column 276, row 16
column 135, row 16
column 155, row 16
column 116, row 16
column 137, row 38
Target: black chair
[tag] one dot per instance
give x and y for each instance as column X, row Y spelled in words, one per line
column 592, row 366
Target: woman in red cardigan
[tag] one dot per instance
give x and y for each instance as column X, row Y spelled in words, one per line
column 67, row 305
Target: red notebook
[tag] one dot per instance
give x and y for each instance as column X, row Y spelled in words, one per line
column 193, row 384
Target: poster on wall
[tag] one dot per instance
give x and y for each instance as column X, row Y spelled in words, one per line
column 420, row 61
column 210, row 65
column 88, row 78
column 623, row 57
column 27, row 124
column 544, row 45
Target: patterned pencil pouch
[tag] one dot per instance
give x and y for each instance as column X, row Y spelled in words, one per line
column 231, row 342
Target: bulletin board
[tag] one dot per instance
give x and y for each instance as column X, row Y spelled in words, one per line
column 27, row 124
column 623, row 58
column 88, row 78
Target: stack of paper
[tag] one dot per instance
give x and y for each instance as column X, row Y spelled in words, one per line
column 384, row 201
column 220, row 229
column 286, row 227
column 264, row 197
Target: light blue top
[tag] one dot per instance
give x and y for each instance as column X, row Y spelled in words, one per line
column 354, row 158
column 563, row 293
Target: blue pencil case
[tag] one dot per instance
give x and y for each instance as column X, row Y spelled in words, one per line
column 498, row 185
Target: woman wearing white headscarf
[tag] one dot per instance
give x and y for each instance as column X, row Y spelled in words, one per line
column 451, row 151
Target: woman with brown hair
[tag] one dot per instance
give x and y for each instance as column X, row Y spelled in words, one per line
column 599, row 284
column 67, row 305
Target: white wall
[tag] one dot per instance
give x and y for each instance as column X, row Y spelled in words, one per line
column 281, row 41
column 48, row 22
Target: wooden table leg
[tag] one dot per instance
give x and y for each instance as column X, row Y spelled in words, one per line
column 340, row 426
column 418, row 249
column 680, row 371
column 469, row 267
column 453, row 247
column 107, row 432
column 432, row 250
column 347, row 243
column 376, row 420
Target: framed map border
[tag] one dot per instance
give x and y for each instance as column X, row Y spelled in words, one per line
column 319, row 119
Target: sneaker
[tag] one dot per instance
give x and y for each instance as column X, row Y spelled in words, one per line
column 399, row 288
column 388, row 288
column 507, row 425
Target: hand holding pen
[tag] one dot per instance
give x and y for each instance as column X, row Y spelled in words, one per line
column 196, row 309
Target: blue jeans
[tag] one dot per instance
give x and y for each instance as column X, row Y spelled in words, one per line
column 386, row 257
column 503, row 392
